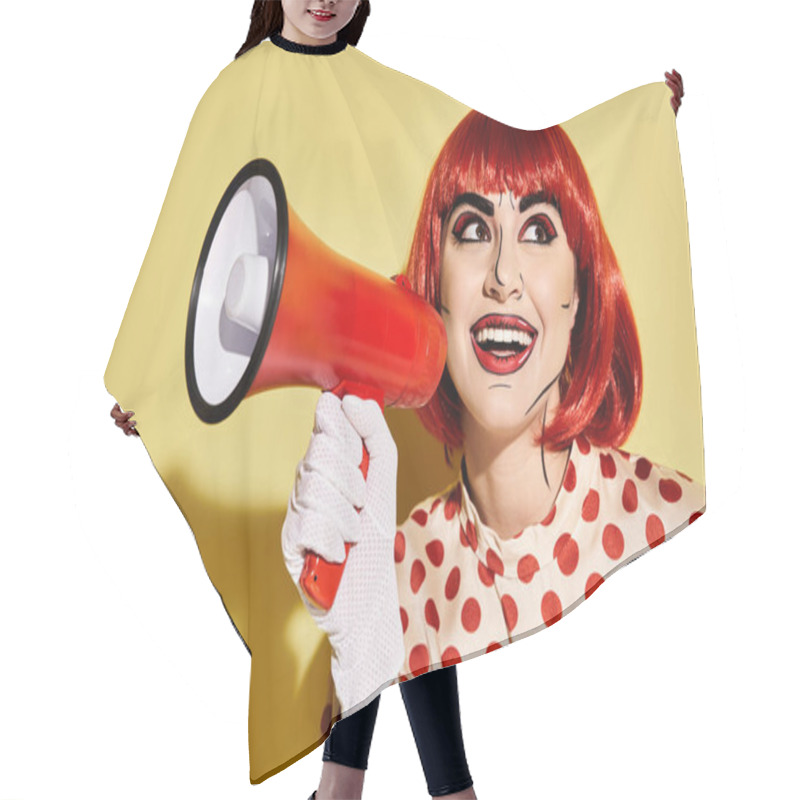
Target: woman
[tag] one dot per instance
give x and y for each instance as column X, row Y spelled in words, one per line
column 543, row 384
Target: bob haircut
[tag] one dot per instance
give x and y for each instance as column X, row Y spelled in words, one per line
column 601, row 382
column 266, row 19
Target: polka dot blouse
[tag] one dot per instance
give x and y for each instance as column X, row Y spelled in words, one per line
column 465, row 591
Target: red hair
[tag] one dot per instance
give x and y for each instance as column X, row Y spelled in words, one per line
column 601, row 384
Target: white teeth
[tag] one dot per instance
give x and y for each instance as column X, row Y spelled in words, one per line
column 503, row 336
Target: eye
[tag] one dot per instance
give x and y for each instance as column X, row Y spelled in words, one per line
column 470, row 227
column 538, row 229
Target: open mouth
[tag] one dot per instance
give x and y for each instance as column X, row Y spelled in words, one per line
column 502, row 342
column 321, row 16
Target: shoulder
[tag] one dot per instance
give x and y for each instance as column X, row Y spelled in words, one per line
column 668, row 485
column 411, row 98
column 238, row 82
column 637, row 484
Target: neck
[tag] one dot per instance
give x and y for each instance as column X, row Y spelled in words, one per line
column 295, row 35
column 513, row 481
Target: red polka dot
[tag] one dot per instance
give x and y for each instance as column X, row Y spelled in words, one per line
column 432, row 615
column 399, row 547
column 551, row 608
column 517, row 535
column 493, row 646
column 695, row 516
column 420, row 516
column 613, row 541
column 472, row 536
column 404, row 619
column 436, row 503
column 453, row 583
column 325, row 719
column 607, row 465
column 684, row 476
column 403, row 678
column 571, row 478
column 453, row 504
column 527, row 567
column 643, row 468
column 417, row 575
column 494, row 562
column 630, row 496
column 593, row 583
column 471, row 615
column 670, row 490
column 510, row 611
column 485, row 574
column 625, row 454
column 450, row 656
column 654, row 528
column 550, row 517
column 418, row 660
column 435, row 551
column 566, row 553
column 591, row 506
column 583, row 445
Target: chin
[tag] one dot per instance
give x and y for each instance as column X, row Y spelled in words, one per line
column 506, row 411
column 501, row 416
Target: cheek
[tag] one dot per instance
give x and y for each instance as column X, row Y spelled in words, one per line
column 460, row 289
column 292, row 8
column 457, row 346
column 293, row 15
column 457, row 321
column 345, row 12
column 553, row 294
column 456, row 301
column 445, row 282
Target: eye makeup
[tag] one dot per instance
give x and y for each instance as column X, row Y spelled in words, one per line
column 539, row 229
column 469, row 227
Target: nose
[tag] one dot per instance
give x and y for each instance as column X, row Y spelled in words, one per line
column 503, row 278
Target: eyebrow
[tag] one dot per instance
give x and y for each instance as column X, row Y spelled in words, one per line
column 532, row 199
column 477, row 201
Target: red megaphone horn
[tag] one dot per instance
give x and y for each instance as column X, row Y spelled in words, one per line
column 272, row 305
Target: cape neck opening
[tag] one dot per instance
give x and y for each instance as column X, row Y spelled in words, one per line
column 309, row 49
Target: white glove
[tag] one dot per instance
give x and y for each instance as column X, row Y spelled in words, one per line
column 363, row 625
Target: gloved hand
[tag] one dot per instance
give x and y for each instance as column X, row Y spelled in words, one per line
column 363, row 625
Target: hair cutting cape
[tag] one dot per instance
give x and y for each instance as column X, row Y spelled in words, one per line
column 354, row 143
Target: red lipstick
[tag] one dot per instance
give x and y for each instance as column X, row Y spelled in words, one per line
column 321, row 16
column 502, row 342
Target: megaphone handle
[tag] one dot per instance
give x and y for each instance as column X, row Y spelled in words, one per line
column 320, row 579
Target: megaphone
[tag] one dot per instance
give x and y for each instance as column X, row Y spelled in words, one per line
column 272, row 305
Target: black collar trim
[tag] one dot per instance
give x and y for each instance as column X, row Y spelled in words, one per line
column 308, row 49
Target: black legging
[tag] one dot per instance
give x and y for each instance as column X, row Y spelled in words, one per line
column 432, row 706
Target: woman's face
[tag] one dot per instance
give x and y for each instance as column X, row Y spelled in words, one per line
column 316, row 21
column 509, row 300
